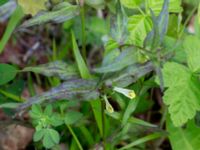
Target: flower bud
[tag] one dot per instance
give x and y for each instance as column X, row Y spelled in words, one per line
column 109, row 107
column 126, row 92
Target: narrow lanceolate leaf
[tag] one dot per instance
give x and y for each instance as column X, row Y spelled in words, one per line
column 58, row 69
column 6, row 10
column 160, row 24
column 126, row 58
column 61, row 12
column 83, row 69
column 32, row 6
column 118, row 25
column 10, row 105
column 139, row 26
column 183, row 104
column 129, row 75
column 192, row 49
column 187, row 138
column 14, row 20
column 71, row 90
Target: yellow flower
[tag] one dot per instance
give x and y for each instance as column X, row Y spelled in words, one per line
column 126, row 92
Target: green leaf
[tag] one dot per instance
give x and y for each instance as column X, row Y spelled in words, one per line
column 139, row 26
column 10, row 105
column 110, row 56
column 186, row 138
column 109, row 45
column 129, row 110
column 3, row 2
column 58, row 69
column 126, row 58
column 83, row 69
column 12, row 96
column 132, row 120
column 98, row 4
column 156, row 6
column 56, row 119
column 36, row 111
column 38, row 135
column 60, row 13
column 184, row 103
column 32, row 6
column 192, row 47
column 96, row 108
column 142, row 140
column 72, row 117
column 51, row 138
column 54, row 136
column 78, row 89
column 96, row 28
column 14, row 20
column 175, row 72
column 48, row 111
column 7, row 73
column 131, row 3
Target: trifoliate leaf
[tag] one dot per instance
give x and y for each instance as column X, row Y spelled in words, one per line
column 32, row 6
column 182, row 95
column 51, row 138
column 38, row 135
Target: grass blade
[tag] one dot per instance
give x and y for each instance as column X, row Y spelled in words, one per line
column 142, row 140
column 83, row 69
column 14, row 20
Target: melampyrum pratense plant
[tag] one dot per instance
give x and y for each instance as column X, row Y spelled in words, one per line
column 144, row 44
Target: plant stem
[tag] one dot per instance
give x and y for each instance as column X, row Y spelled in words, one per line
column 75, row 137
column 103, row 124
column 12, row 96
column 164, row 115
